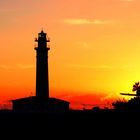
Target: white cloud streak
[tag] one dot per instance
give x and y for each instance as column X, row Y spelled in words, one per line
column 90, row 67
column 127, row 0
column 18, row 66
column 6, row 67
column 85, row 21
column 21, row 66
column 83, row 44
column 101, row 67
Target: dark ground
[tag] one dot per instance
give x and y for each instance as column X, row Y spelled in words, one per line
column 103, row 123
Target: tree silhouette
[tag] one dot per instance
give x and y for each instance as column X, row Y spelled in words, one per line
column 131, row 105
column 136, row 87
column 120, row 105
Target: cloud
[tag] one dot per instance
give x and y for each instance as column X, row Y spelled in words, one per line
column 103, row 67
column 18, row 66
column 83, row 44
column 90, row 66
column 6, row 67
column 109, row 96
column 21, row 66
column 127, row 0
column 90, row 100
column 85, row 21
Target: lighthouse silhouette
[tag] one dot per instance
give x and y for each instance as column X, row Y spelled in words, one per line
column 41, row 101
column 42, row 78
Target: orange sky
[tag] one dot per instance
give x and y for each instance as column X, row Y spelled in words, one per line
column 95, row 47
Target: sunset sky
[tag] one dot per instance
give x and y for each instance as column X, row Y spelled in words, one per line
column 95, row 48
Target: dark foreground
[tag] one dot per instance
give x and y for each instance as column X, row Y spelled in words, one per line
column 103, row 123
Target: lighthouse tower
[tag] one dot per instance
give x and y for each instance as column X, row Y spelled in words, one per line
column 42, row 78
column 41, row 102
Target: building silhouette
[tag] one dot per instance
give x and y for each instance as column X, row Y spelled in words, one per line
column 42, row 79
column 41, row 101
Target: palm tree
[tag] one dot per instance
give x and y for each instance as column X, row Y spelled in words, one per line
column 136, row 87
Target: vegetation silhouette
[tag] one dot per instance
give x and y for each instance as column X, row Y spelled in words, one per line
column 136, row 87
column 132, row 105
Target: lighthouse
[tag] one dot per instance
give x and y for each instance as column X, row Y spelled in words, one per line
column 41, row 102
column 42, row 76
